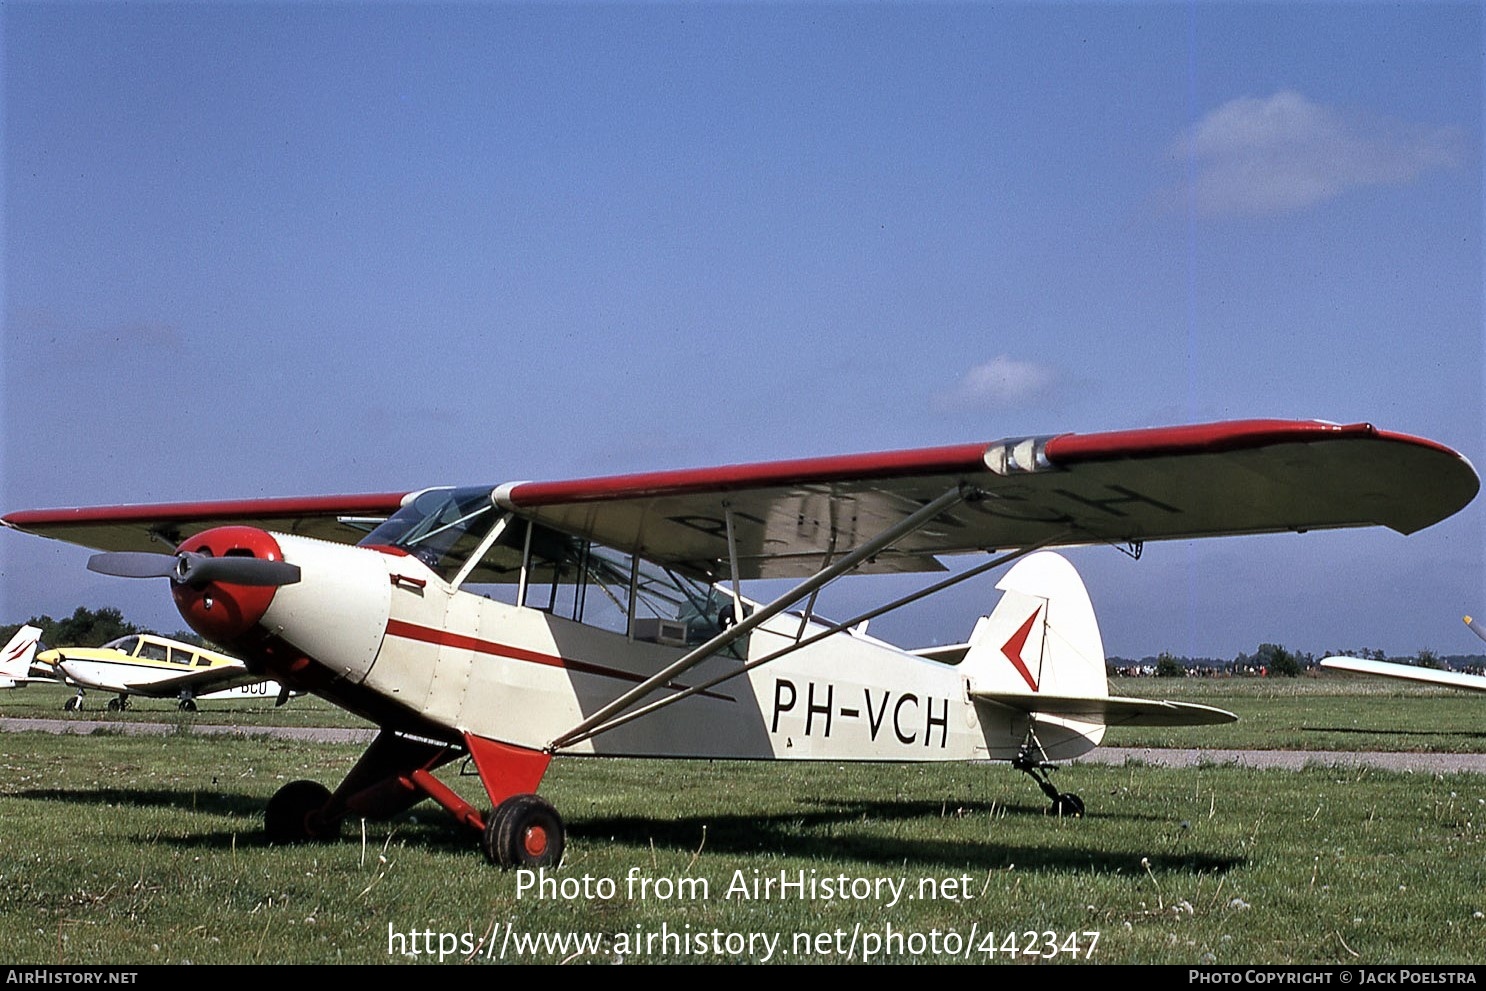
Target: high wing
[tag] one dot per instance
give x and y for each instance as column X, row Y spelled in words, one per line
column 1407, row 672
column 1242, row 477
column 343, row 519
column 784, row 519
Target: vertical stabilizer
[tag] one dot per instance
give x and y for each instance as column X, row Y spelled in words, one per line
column 16, row 657
column 1041, row 640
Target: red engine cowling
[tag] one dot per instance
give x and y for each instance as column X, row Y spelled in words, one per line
column 222, row 611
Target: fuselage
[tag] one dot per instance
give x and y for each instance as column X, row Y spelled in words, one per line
column 135, row 662
column 400, row 644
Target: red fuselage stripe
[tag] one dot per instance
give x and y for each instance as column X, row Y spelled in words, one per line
column 444, row 638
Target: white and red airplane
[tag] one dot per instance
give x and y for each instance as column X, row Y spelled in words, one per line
column 517, row 622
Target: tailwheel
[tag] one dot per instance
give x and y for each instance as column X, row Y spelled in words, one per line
column 293, row 814
column 524, row 831
column 1066, row 805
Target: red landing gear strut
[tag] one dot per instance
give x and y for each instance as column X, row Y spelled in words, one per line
column 396, row 772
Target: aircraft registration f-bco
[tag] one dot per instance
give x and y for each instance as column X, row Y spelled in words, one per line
column 518, row 622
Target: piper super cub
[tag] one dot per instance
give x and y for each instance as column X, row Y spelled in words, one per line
column 517, row 622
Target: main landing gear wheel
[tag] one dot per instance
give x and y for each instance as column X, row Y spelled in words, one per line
column 524, row 831
column 187, row 705
column 293, row 814
column 118, row 704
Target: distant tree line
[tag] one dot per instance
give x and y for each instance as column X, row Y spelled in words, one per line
column 95, row 627
column 1274, row 660
column 87, row 628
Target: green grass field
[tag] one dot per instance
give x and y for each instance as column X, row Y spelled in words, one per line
column 1323, row 712
column 141, row 850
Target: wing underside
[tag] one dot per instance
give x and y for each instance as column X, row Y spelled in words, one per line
column 1223, row 479
column 160, row 527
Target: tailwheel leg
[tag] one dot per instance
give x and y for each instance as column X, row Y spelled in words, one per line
column 1065, row 804
column 524, row 831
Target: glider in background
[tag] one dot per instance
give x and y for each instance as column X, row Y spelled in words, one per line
column 1411, row 672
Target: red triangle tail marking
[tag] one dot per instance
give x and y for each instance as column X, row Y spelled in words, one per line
column 1013, row 649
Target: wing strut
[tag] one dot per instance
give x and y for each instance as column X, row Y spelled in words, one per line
column 745, row 625
column 980, row 569
column 727, row 515
column 809, row 609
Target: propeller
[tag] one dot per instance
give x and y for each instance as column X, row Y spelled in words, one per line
column 193, row 568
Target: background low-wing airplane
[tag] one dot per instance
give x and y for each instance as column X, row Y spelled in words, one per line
column 155, row 667
column 522, row 621
column 1412, row 672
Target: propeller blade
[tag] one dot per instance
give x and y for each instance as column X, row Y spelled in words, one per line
column 198, row 569
column 194, row 569
column 1476, row 627
column 133, row 564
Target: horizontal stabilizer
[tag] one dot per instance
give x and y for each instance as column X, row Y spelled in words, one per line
column 1407, row 672
column 952, row 653
column 1111, row 711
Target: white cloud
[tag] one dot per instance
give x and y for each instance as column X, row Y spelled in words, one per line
column 1284, row 153
column 1000, row 383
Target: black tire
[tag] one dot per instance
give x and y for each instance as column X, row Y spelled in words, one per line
column 524, row 831
column 73, row 704
column 114, row 705
column 1068, row 806
column 187, row 705
column 293, row 814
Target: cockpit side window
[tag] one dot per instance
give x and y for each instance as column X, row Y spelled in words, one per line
column 441, row 527
column 547, row 569
column 124, row 644
column 604, row 587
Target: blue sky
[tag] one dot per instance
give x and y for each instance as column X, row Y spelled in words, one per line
column 260, row 249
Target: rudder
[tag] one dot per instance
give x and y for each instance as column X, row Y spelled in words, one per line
column 1041, row 640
